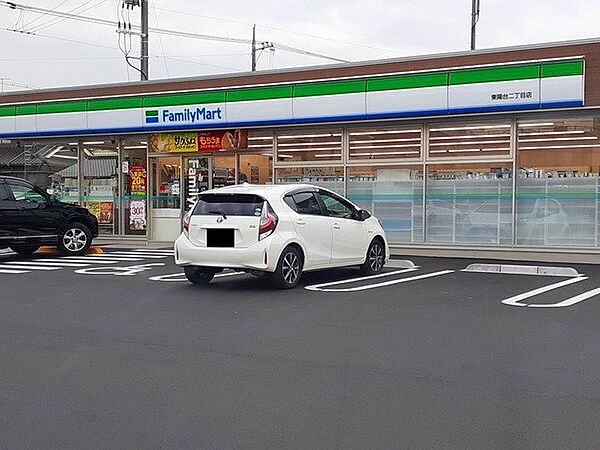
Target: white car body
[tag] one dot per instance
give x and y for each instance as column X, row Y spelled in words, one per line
column 325, row 241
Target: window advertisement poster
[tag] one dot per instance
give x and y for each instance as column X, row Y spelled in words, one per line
column 137, row 215
column 94, row 208
column 173, row 142
column 138, row 179
column 106, row 213
column 207, row 141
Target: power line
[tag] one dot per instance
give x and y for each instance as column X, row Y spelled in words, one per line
column 43, row 15
column 110, row 23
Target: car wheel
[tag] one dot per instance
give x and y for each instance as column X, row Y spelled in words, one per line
column 196, row 275
column 289, row 269
column 375, row 258
column 75, row 239
column 25, row 250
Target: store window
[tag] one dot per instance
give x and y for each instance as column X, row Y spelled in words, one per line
column 100, row 184
column 134, row 173
column 328, row 177
column 397, row 143
column 166, row 193
column 309, row 145
column 224, row 171
column 394, row 194
column 558, row 183
column 469, row 204
column 473, row 140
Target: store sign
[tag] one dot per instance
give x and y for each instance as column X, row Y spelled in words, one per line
column 196, row 180
column 137, row 179
column 189, row 115
column 137, row 215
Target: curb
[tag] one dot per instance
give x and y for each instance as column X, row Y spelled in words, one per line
column 400, row 264
column 513, row 269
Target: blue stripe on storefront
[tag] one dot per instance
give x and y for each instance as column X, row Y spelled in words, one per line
column 307, row 120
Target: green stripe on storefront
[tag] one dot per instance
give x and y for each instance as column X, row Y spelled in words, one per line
column 62, row 107
column 494, row 74
column 108, row 104
column 408, row 82
column 25, row 110
column 330, row 88
column 152, row 113
column 7, row 111
column 562, row 69
column 189, row 98
column 266, row 93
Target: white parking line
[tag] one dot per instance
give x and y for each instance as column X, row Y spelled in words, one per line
column 74, row 259
column 377, row 285
column 13, row 271
column 150, row 250
column 317, row 287
column 570, row 301
column 514, row 301
column 133, row 255
column 46, row 263
column 27, row 267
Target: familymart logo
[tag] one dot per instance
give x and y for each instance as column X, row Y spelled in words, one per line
column 184, row 115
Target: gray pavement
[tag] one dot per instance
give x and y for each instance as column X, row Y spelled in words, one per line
column 106, row 358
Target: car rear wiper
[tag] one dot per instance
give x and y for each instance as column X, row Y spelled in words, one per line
column 221, row 213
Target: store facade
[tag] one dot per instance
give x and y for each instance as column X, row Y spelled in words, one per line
column 475, row 150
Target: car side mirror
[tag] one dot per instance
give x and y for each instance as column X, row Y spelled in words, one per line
column 363, row 215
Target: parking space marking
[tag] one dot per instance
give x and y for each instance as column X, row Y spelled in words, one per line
column 105, row 256
column 570, row 301
column 317, row 287
column 179, row 277
column 514, row 301
column 118, row 270
column 46, row 263
column 13, row 271
column 378, row 285
column 134, row 255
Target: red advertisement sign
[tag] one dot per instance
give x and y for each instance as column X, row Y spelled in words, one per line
column 137, row 179
column 222, row 140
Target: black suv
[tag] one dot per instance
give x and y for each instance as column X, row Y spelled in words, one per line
column 30, row 218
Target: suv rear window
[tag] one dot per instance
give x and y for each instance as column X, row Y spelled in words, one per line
column 229, row 204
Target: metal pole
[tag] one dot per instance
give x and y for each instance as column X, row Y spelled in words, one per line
column 144, row 48
column 253, row 48
column 474, row 20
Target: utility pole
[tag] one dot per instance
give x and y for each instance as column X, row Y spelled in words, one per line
column 254, row 48
column 474, row 20
column 144, row 46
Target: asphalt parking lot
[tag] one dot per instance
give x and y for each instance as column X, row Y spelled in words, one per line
column 118, row 351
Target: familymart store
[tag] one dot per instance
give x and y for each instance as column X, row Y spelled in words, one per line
column 494, row 149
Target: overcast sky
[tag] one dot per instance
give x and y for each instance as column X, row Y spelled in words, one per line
column 352, row 30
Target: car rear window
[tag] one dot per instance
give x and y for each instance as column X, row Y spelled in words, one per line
column 229, row 204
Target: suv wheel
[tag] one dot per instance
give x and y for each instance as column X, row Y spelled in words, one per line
column 289, row 269
column 196, row 275
column 75, row 239
column 25, row 250
column 375, row 258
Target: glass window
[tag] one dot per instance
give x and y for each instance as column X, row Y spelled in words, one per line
column 331, row 178
column 256, row 169
column 309, row 145
column 453, row 140
column 399, row 142
column 558, row 183
column 25, row 193
column 306, row 203
column 167, row 184
column 394, row 194
column 337, row 207
column 229, row 204
column 135, row 185
column 4, row 196
column 223, row 171
column 469, row 204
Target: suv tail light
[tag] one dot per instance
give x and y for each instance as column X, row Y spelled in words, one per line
column 268, row 222
column 186, row 222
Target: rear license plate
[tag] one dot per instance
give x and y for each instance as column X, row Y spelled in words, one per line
column 220, row 237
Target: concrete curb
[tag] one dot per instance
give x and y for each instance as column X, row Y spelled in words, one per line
column 400, row 264
column 513, row 269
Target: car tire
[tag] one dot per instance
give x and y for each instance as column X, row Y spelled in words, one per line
column 289, row 269
column 375, row 259
column 196, row 275
column 25, row 250
column 75, row 240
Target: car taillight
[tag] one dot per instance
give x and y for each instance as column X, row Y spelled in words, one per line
column 268, row 222
column 186, row 222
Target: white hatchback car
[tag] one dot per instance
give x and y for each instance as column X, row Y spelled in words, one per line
column 277, row 230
